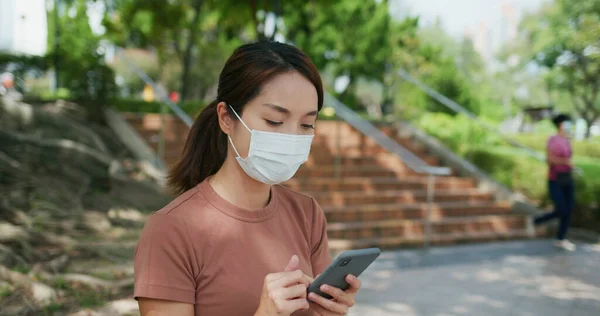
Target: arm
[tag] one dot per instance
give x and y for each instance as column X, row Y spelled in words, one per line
column 554, row 160
column 165, row 268
column 154, row 307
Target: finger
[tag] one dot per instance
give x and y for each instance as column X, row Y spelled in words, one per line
column 318, row 309
column 292, row 292
column 294, row 264
column 329, row 305
column 354, row 284
column 278, row 278
column 339, row 295
column 291, row 278
column 298, row 304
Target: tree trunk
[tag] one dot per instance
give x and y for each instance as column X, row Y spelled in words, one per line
column 187, row 58
column 588, row 129
column 277, row 12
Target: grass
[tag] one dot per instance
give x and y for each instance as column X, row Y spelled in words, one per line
column 21, row 268
column 52, row 309
column 5, row 291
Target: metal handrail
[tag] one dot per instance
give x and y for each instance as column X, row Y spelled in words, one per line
column 461, row 109
column 162, row 95
column 367, row 128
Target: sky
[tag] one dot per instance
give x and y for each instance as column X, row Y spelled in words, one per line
column 459, row 16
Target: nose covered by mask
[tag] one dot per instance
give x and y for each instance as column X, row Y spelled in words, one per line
column 273, row 157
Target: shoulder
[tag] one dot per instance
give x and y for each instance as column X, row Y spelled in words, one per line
column 182, row 216
column 288, row 194
column 301, row 203
column 552, row 140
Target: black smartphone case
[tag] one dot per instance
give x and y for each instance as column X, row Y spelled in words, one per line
column 349, row 262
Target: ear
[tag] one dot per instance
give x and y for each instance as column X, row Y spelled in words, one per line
column 225, row 121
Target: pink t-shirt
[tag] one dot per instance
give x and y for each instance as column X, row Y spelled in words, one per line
column 202, row 250
column 559, row 147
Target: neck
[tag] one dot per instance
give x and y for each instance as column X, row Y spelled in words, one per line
column 237, row 188
column 563, row 134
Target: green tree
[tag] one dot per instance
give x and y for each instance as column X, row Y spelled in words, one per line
column 565, row 39
column 171, row 27
column 344, row 37
column 82, row 68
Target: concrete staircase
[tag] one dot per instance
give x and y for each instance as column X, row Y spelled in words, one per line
column 376, row 200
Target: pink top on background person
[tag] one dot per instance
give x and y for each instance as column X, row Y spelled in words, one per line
column 560, row 147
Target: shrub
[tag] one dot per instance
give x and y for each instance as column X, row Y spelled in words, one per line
column 191, row 107
column 458, row 132
column 520, row 172
column 514, row 167
column 589, row 148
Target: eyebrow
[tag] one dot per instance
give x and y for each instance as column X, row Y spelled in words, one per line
column 283, row 110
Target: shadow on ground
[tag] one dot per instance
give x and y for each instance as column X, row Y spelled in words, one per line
column 514, row 278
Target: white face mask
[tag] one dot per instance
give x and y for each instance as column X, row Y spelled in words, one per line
column 568, row 127
column 273, row 157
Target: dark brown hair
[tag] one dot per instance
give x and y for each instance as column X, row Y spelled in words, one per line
column 242, row 77
column 559, row 119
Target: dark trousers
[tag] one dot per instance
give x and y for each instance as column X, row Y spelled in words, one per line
column 564, row 202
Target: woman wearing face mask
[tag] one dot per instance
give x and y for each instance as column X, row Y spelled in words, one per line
column 234, row 242
column 560, row 180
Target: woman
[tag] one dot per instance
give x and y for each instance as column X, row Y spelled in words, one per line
column 234, row 242
column 560, row 180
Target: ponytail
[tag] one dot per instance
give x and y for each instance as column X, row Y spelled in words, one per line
column 203, row 154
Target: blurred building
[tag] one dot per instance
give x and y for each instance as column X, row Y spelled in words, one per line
column 23, row 26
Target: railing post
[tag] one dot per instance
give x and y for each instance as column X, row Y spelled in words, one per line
column 337, row 164
column 427, row 222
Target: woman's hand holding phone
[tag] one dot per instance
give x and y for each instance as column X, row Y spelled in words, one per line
column 285, row 292
column 341, row 301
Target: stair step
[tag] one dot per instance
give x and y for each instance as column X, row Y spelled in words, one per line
column 378, row 212
column 330, row 144
column 337, row 245
column 357, row 158
column 374, row 184
column 402, row 228
column 398, row 196
column 350, row 171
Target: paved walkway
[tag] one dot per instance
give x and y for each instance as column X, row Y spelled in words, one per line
column 525, row 278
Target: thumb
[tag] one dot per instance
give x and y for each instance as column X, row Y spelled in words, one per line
column 293, row 265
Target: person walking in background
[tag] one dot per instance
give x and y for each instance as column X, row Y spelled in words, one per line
column 561, row 187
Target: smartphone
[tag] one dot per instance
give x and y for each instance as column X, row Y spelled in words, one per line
column 349, row 262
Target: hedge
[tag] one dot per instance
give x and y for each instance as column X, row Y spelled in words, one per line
column 515, row 168
column 525, row 174
column 587, row 148
column 192, row 107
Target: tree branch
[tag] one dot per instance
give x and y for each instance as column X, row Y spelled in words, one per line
column 187, row 58
column 177, row 48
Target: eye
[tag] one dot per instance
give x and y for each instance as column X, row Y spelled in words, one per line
column 273, row 123
column 308, row 126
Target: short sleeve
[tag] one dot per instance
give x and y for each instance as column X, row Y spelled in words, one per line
column 320, row 256
column 164, row 261
column 549, row 143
